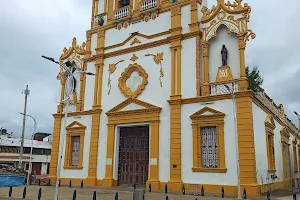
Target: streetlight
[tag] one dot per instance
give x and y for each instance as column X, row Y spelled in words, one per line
column 231, row 90
column 298, row 119
column 30, row 167
column 66, row 101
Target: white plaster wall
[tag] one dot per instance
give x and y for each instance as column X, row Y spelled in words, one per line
column 66, row 173
column 188, row 68
column 160, row 24
column 44, row 168
column 185, row 18
column 215, row 58
column 94, row 43
column 188, row 176
column 101, row 6
column 152, row 93
column 259, row 117
column 89, row 89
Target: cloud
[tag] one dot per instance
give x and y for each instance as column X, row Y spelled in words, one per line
column 31, row 28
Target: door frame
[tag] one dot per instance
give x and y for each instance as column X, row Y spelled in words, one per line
column 117, row 146
column 117, row 117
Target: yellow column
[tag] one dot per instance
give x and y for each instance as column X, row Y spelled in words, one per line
column 55, row 148
column 93, row 154
column 247, row 161
column 243, row 81
column 175, row 182
column 110, row 11
column 93, row 14
column 154, row 156
column 194, row 26
column 205, row 88
column 60, row 107
column 109, row 178
column 195, row 145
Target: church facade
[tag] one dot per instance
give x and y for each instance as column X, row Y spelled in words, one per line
column 169, row 103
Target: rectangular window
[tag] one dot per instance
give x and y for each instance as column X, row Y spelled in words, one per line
column 123, row 3
column 75, row 150
column 271, row 152
column 295, row 157
column 209, row 147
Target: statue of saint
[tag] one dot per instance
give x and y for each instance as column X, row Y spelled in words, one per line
column 224, row 54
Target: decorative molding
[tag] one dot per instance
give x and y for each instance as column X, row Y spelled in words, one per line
column 74, row 49
column 111, row 69
column 135, row 41
column 143, row 46
column 224, row 14
column 127, row 74
column 134, row 58
column 117, row 110
column 157, row 59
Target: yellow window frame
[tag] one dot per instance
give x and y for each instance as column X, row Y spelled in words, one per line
column 208, row 117
column 73, row 130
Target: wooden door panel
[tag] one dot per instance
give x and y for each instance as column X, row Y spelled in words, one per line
column 133, row 155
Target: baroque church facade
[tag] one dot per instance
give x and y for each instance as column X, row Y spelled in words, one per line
column 169, row 103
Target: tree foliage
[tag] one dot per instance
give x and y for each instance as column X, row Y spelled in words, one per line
column 255, row 80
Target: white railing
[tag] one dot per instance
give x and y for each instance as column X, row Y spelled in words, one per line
column 222, row 88
column 122, row 12
column 148, row 4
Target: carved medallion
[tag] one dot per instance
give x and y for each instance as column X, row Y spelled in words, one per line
column 133, row 80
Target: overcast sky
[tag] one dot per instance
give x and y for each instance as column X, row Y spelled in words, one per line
column 31, row 28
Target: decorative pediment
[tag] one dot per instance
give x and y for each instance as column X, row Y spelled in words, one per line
column 234, row 16
column 134, row 39
column 206, row 112
column 75, row 125
column 269, row 122
column 74, row 49
column 133, row 105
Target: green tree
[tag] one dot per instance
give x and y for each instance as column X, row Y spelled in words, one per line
column 255, row 80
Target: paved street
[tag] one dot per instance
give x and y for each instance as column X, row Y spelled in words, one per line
column 102, row 194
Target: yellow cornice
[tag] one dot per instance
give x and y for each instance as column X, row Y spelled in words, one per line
column 80, row 113
column 143, row 46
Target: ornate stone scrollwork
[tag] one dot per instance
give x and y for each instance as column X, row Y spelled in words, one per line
column 133, row 80
column 225, row 14
column 75, row 48
column 111, row 69
column 157, row 59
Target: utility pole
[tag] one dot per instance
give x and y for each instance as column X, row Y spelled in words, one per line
column 26, row 92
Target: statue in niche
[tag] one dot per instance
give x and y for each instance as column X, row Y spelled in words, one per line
column 224, row 54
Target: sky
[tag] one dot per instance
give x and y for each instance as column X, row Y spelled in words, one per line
column 31, row 28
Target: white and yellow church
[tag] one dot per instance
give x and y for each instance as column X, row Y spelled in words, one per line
column 169, row 103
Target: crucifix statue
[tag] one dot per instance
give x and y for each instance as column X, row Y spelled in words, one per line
column 224, row 54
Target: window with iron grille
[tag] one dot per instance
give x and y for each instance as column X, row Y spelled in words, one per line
column 209, row 147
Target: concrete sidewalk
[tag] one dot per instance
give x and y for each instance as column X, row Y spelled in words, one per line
column 102, row 193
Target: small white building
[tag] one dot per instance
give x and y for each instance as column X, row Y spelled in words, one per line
column 10, row 153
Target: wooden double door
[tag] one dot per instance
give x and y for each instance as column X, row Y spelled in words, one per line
column 133, row 156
